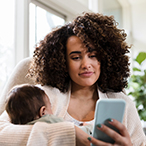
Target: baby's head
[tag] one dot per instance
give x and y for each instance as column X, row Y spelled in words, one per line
column 27, row 103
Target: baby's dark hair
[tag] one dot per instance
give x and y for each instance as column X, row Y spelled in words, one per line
column 24, row 103
column 49, row 65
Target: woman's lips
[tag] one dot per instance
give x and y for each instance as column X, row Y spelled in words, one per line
column 86, row 74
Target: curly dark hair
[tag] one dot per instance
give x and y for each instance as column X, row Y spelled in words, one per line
column 49, row 60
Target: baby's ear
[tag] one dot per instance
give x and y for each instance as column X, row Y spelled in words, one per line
column 42, row 111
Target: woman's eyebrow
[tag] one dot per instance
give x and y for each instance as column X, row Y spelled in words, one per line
column 73, row 52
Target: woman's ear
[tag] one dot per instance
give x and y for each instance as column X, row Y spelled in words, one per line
column 42, row 111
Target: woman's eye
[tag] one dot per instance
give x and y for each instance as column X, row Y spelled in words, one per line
column 92, row 56
column 75, row 58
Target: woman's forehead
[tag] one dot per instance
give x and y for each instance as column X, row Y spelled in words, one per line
column 75, row 44
column 72, row 40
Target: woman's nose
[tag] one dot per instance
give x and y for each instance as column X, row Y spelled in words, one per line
column 85, row 63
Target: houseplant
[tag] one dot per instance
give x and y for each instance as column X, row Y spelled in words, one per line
column 137, row 84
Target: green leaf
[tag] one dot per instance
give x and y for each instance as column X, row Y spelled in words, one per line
column 141, row 57
column 136, row 69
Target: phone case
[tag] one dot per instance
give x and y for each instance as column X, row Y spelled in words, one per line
column 105, row 109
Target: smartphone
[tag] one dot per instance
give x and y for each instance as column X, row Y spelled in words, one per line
column 105, row 109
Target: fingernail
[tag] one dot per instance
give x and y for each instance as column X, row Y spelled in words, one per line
column 99, row 125
column 89, row 138
column 110, row 120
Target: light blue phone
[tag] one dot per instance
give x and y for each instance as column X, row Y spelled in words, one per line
column 105, row 109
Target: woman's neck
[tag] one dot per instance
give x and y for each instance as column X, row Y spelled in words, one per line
column 84, row 93
column 82, row 102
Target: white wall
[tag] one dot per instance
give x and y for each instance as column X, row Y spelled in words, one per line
column 138, row 11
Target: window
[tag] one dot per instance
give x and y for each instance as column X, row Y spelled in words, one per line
column 41, row 22
column 7, row 16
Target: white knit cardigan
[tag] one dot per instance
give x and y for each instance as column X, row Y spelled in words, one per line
column 60, row 102
column 62, row 134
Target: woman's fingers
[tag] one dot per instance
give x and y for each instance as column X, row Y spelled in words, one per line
column 122, row 138
column 98, row 142
column 122, row 129
column 83, row 139
column 113, row 134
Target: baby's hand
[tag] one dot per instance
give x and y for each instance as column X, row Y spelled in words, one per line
column 84, row 123
column 88, row 127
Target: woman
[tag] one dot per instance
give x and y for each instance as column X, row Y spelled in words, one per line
column 80, row 63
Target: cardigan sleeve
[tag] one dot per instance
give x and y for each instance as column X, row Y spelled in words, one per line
column 40, row 133
column 52, row 134
column 131, row 120
column 133, row 124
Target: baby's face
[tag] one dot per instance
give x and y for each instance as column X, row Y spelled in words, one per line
column 48, row 109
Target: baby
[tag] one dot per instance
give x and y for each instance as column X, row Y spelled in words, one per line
column 28, row 104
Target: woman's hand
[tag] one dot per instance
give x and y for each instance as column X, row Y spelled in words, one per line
column 122, row 139
column 83, row 139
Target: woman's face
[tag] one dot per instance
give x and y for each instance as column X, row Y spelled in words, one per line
column 83, row 66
